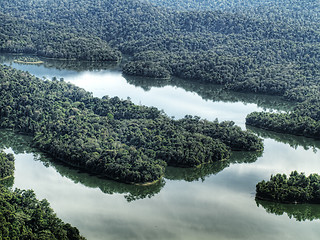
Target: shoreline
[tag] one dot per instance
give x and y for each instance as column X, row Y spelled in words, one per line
column 24, row 62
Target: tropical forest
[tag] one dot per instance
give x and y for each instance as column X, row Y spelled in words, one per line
column 164, row 119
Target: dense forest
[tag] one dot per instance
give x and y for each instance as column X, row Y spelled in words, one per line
column 298, row 188
column 6, row 165
column 303, row 120
column 22, row 216
column 264, row 47
column 112, row 137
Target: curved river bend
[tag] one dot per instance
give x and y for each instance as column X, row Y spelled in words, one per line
column 213, row 202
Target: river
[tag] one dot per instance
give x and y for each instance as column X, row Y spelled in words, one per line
column 216, row 201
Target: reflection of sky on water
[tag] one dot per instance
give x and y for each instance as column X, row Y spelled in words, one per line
column 40, row 71
column 221, row 207
column 175, row 101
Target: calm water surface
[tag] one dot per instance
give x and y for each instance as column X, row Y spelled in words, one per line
column 213, row 202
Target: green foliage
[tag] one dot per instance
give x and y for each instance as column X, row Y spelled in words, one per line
column 267, row 47
column 6, row 165
column 226, row 131
column 304, row 122
column 110, row 137
column 51, row 40
column 146, row 69
column 296, row 189
column 251, row 46
column 22, row 216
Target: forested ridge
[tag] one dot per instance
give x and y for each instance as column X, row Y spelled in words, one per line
column 267, row 47
column 51, row 40
column 111, row 137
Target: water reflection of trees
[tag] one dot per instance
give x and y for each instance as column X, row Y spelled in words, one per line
column 300, row 212
column 291, row 140
column 21, row 144
column 206, row 170
column 206, row 91
column 18, row 143
column 212, row 92
column 131, row 192
column 72, row 65
column 78, row 65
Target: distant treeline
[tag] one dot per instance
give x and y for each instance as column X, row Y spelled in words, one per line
column 246, row 53
column 112, row 137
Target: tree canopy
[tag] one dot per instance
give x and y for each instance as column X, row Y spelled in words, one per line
column 22, row 216
column 298, row 188
column 112, row 137
column 266, row 47
column 6, row 165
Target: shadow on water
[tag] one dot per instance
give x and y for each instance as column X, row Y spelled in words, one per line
column 132, row 192
column 212, row 92
column 21, row 144
column 291, row 140
column 300, row 212
column 202, row 172
column 207, row 91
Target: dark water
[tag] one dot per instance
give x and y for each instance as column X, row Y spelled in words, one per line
column 212, row 202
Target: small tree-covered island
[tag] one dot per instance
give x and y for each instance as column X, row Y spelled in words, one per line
column 298, row 188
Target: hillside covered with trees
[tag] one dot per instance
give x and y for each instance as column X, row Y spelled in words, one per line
column 267, row 47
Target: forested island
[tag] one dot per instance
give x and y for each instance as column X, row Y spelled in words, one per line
column 112, row 137
column 246, row 46
column 298, row 188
